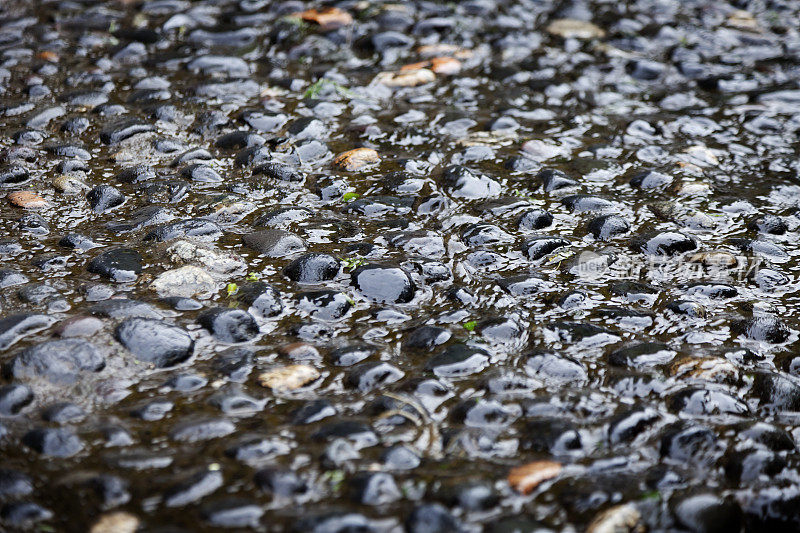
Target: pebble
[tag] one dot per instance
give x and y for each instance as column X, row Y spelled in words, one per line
column 289, row 377
column 446, row 236
column 117, row 264
column 274, row 242
column 184, row 282
column 58, row 361
column 384, row 284
column 26, row 200
column 229, row 325
column 154, row 341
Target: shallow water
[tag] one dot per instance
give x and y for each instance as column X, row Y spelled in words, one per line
column 575, row 247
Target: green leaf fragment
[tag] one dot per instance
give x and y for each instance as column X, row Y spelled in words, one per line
column 470, row 326
column 232, row 288
column 350, row 196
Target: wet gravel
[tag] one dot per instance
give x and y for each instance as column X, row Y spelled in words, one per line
column 420, row 266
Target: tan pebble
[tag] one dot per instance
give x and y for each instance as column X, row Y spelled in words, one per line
column 446, row 66
column 356, row 159
column 119, row 522
column 26, row 200
column 48, row 55
column 692, row 188
column 415, row 66
column 441, row 49
column 407, row 78
column 527, row 477
column 577, row 29
column 704, row 368
column 328, row 18
column 68, row 184
column 715, row 259
column 623, row 518
column 290, row 377
column 743, row 20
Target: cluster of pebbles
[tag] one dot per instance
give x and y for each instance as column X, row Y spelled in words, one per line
column 418, row 266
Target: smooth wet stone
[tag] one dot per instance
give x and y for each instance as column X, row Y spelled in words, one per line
column 10, row 278
column 711, row 290
column 551, row 435
column 154, row 341
column 313, row 411
column 13, row 328
column 278, row 171
column 357, row 433
column 426, row 338
column 14, row 483
column 708, row 513
column 33, row 224
column 118, row 264
column 465, row 183
column 541, row 245
column 186, row 382
column 607, row 227
column 229, row 325
column 695, row 401
column 185, row 282
column 430, row 518
column 14, row 398
column 232, row 512
column 692, row 444
column 234, row 363
column 553, row 180
column 76, row 241
column 24, row 514
column 120, row 308
column 374, row 488
column 666, row 243
column 368, row 376
column 193, row 488
column 762, row 328
column 324, row 305
column 650, row 179
column 63, row 412
column 771, row 224
column 60, row 361
column 334, row 521
column 152, row 411
column 280, row 482
column 55, row 442
column 748, row 466
column 217, row 262
column 13, row 175
column 194, row 227
column 312, row 268
column 523, row 285
column 104, row 197
column 119, row 131
column 458, row 360
column 274, row 242
column 777, row 391
column 135, row 174
column 535, row 219
column 553, row 369
column 264, row 300
column 201, row 430
column 383, row 284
